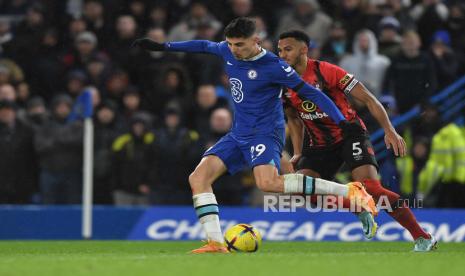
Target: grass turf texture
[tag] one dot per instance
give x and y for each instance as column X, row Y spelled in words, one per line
column 273, row 258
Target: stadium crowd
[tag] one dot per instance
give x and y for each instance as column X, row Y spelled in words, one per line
column 156, row 112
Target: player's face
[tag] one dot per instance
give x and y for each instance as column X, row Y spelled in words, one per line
column 243, row 48
column 291, row 50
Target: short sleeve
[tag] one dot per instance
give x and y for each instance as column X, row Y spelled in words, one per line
column 336, row 77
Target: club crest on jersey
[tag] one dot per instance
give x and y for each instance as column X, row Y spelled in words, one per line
column 308, row 106
column 252, row 74
column 236, row 90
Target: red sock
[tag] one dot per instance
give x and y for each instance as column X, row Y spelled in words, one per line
column 402, row 214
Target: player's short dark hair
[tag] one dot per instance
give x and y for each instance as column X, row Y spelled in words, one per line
column 297, row 35
column 241, row 27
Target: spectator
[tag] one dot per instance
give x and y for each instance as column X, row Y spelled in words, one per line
column 237, row 8
column 18, row 166
column 36, row 113
column 337, row 45
column 308, row 17
column 116, row 84
column 186, row 29
column 107, row 129
column 97, row 69
column 48, row 67
column 133, row 164
column 85, row 51
column 120, row 47
column 430, row 16
column 75, row 27
column 131, row 105
column 139, row 9
column 444, row 59
column 158, row 17
column 220, row 124
column 94, row 15
column 389, row 38
column 456, row 28
column 211, row 64
column 58, row 145
column 175, row 85
column 206, row 100
column 351, row 14
column 10, row 72
column 76, row 81
column 179, row 148
column 410, row 77
column 366, row 64
column 27, row 37
column 7, row 92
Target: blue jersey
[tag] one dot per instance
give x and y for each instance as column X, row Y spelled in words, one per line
column 256, row 87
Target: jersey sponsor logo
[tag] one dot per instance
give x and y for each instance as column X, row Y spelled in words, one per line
column 236, row 90
column 346, row 79
column 308, row 106
column 313, row 116
column 252, row 74
column 228, row 63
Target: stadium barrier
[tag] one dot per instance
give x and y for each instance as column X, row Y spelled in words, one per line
column 450, row 102
column 180, row 223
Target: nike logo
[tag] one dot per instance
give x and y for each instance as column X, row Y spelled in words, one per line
column 228, row 63
column 288, row 69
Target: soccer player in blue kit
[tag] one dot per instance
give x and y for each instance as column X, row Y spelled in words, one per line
column 257, row 78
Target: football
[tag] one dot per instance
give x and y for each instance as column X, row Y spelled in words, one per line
column 242, row 238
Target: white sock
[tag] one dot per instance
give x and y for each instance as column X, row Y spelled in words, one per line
column 325, row 187
column 206, row 208
column 299, row 183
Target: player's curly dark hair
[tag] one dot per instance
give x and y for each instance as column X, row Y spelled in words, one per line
column 297, row 35
column 241, row 27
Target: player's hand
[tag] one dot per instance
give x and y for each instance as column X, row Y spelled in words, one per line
column 351, row 129
column 396, row 142
column 295, row 159
column 148, row 44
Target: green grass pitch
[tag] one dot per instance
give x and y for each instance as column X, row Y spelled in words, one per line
column 273, row 258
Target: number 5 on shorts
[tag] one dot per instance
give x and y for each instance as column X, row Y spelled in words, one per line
column 356, row 149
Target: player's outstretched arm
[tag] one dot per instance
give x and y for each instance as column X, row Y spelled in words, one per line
column 285, row 75
column 193, row 46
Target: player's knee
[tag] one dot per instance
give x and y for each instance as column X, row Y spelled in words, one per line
column 196, row 181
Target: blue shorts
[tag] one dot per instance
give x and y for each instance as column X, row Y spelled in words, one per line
column 238, row 154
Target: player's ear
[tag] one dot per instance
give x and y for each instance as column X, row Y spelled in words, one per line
column 304, row 50
column 256, row 39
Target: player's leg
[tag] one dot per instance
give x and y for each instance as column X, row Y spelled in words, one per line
column 367, row 174
column 359, row 155
column 217, row 160
column 264, row 154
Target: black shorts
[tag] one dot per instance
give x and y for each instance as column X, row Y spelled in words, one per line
column 354, row 152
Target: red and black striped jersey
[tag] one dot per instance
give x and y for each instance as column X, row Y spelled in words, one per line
column 336, row 83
